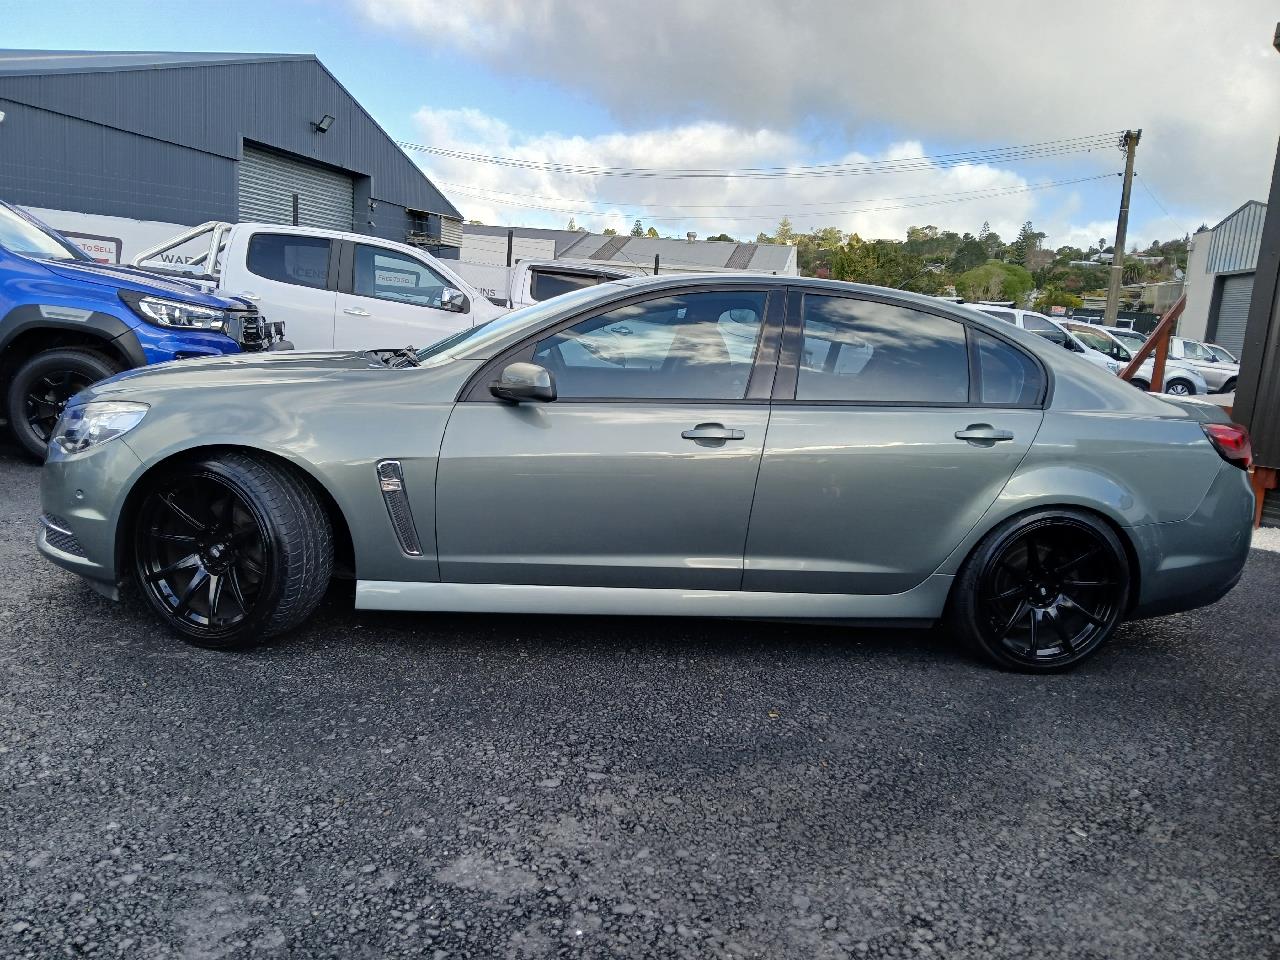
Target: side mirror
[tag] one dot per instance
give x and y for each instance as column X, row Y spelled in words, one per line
column 521, row 382
column 454, row 300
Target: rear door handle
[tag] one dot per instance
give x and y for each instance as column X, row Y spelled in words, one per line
column 712, row 434
column 356, row 312
column 983, row 433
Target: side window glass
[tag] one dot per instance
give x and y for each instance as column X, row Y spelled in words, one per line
column 301, row 261
column 699, row 346
column 389, row 275
column 544, row 284
column 876, row 352
column 1009, row 376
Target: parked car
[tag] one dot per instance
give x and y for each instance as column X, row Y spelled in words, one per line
column 334, row 290
column 550, row 461
column 531, row 281
column 1221, row 375
column 67, row 321
column 1180, row 379
column 1050, row 330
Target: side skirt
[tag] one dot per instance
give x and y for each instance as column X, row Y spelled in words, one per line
column 923, row 602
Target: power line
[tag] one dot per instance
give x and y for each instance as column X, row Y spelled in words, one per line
column 1047, row 148
column 1143, row 181
column 493, row 193
column 945, row 199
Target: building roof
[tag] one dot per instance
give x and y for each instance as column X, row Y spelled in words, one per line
column 1236, row 240
column 26, row 63
column 770, row 258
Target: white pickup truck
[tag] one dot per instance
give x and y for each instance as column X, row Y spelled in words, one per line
column 337, row 290
column 333, row 290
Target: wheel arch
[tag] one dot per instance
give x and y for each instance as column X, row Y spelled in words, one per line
column 343, row 547
column 956, row 562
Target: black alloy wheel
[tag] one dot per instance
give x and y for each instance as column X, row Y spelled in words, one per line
column 203, row 554
column 1045, row 592
column 41, row 387
column 231, row 550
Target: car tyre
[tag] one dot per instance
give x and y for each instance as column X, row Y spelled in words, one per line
column 1179, row 388
column 231, row 549
column 41, row 387
column 1042, row 591
column 1141, row 385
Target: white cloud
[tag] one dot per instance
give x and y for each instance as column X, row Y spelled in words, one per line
column 872, row 206
column 1201, row 79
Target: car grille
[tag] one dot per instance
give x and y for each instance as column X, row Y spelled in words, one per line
column 59, row 536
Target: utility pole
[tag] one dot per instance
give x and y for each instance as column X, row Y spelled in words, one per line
column 1130, row 144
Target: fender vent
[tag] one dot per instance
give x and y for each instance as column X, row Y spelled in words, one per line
column 391, row 481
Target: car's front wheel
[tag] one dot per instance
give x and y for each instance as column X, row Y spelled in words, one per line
column 1179, row 388
column 41, row 387
column 1042, row 591
column 231, row 549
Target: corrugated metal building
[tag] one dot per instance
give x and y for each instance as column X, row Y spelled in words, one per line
column 479, row 243
column 1219, row 281
column 139, row 143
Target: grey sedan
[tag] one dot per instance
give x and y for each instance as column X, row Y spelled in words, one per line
column 730, row 446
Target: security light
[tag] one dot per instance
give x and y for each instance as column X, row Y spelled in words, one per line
column 323, row 124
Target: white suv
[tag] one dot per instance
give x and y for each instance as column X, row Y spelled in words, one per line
column 1051, row 330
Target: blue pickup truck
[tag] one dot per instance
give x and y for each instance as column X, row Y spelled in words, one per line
column 67, row 321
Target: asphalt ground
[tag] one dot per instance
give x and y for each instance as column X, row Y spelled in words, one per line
column 448, row 786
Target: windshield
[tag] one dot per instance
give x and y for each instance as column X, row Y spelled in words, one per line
column 1223, row 354
column 25, row 235
column 475, row 339
column 1195, row 350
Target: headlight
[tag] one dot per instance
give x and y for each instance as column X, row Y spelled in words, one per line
column 93, row 423
column 176, row 314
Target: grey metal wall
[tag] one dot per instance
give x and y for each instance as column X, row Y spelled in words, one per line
column 162, row 144
column 1236, row 240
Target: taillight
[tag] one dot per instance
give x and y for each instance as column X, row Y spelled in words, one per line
column 1232, row 441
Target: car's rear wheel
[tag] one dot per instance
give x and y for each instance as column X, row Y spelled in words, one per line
column 1042, row 591
column 41, row 387
column 1179, row 388
column 230, row 549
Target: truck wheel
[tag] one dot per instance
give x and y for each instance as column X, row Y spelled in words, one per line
column 231, row 549
column 41, row 387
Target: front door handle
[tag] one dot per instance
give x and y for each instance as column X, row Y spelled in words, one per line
column 983, row 434
column 712, row 434
column 356, row 312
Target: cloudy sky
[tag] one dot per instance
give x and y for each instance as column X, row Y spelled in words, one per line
column 890, row 93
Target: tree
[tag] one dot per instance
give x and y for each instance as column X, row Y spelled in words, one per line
column 573, row 224
column 651, row 232
column 785, row 233
column 885, row 263
column 1053, row 297
column 723, row 238
column 971, row 253
column 1028, row 241
column 637, row 229
column 609, row 232
column 995, row 280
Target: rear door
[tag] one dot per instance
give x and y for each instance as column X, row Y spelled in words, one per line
column 892, row 430
column 291, row 277
column 390, row 298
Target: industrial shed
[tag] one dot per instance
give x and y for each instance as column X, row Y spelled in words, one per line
column 1219, row 280
column 122, row 150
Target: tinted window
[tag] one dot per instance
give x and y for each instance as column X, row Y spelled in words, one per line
column 302, row 261
column 1005, row 315
column 874, row 352
column 388, row 275
column 697, row 347
column 1222, row 353
column 544, row 285
column 1009, row 376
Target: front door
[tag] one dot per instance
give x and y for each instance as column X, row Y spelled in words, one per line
column 293, row 277
column 893, row 430
column 393, row 300
column 640, row 473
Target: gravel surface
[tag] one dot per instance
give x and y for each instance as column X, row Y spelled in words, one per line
column 383, row 786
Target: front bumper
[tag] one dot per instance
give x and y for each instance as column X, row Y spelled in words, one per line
column 1196, row 561
column 82, row 498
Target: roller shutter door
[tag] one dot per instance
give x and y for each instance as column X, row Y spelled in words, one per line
column 270, row 181
column 1233, row 312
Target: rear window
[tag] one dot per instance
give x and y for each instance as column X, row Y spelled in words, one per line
column 287, row 258
column 545, row 284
